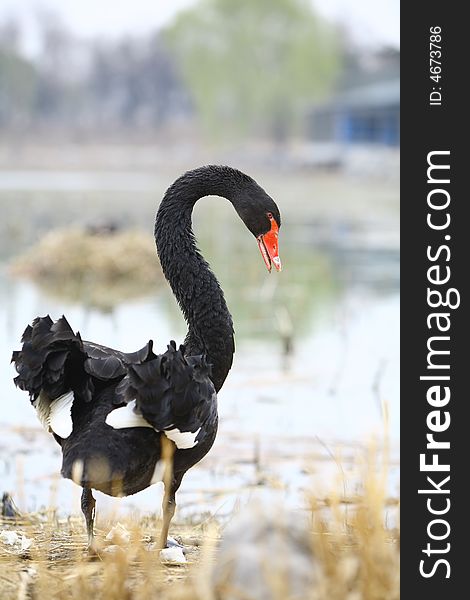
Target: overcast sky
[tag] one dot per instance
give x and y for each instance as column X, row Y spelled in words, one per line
column 370, row 21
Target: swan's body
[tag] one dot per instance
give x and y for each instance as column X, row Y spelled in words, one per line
column 111, row 411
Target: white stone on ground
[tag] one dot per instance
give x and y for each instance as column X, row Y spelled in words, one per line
column 173, row 556
column 19, row 542
column 118, row 535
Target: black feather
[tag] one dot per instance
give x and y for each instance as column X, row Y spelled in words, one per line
column 51, row 360
column 105, row 369
column 171, row 390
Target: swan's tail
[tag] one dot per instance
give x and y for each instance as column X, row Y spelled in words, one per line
column 171, row 390
column 51, row 360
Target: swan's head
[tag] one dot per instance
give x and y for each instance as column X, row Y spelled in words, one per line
column 261, row 215
column 255, row 207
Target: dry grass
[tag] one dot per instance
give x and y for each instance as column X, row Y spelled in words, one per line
column 353, row 553
column 57, row 564
column 99, row 269
column 358, row 552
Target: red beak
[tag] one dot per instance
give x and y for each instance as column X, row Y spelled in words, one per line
column 269, row 247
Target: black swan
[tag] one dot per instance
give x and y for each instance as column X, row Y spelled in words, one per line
column 113, row 413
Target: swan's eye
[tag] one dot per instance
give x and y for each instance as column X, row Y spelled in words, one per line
column 270, row 215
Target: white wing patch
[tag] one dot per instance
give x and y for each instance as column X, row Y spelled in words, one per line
column 60, row 415
column 123, row 417
column 55, row 416
column 42, row 405
column 182, row 439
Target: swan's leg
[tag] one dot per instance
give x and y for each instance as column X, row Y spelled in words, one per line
column 170, row 485
column 88, row 509
column 169, row 507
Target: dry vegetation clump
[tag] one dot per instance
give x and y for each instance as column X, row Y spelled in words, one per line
column 352, row 553
column 97, row 269
column 357, row 542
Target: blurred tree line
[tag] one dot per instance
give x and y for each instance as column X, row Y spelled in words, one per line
column 245, row 66
column 96, row 86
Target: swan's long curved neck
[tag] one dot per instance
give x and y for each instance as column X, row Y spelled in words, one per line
column 193, row 283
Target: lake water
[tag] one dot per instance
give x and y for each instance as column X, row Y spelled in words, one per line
column 283, row 417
